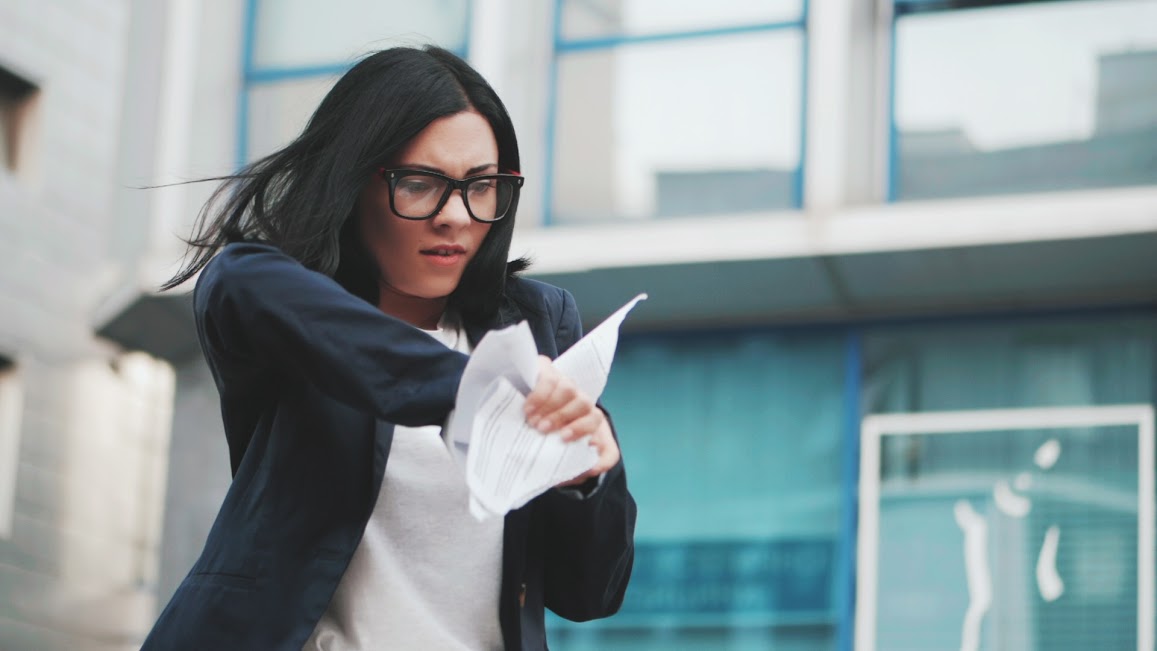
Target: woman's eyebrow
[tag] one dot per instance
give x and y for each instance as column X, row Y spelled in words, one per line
column 477, row 169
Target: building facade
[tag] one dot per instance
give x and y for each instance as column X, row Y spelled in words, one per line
column 855, row 219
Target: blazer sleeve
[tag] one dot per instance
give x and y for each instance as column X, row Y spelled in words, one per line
column 257, row 307
column 589, row 546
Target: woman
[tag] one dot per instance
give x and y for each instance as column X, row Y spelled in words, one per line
column 320, row 267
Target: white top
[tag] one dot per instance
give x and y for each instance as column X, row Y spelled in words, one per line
column 426, row 574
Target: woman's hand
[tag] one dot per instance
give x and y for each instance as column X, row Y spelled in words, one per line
column 556, row 406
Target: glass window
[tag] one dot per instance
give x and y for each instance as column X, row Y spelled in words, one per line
column 981, row 540
column 1030, row 97
column 304, row 33
column 678, row 128
column 597, row 18
column 278, row 112
column 301, row 46
column 733, row 448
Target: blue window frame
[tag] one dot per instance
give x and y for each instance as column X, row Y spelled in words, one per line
column 991, row 98
column 655, row 114
column 284, row 77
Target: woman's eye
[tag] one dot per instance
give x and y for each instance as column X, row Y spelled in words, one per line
column 414, row 186
column 482, row 187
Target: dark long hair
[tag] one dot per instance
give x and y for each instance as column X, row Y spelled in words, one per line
column 302, row 197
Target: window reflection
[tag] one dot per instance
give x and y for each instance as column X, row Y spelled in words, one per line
column 1033, row 97
column 303, row 33
column 987, row 543
column 682, row 128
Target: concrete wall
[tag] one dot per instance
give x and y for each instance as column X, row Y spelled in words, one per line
column 79, row 563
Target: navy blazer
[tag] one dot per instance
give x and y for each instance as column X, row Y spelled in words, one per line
column 312, row 380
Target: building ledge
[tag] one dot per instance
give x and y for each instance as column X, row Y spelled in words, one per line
column 1007, row 254
column 160, row 324
column 915, row 258
column 905, row 226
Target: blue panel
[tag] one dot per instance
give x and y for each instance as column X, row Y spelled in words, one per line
column 768, row 578
column 733, row 446
column 755, row 419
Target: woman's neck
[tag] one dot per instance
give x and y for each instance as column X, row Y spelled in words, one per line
column 424, row 313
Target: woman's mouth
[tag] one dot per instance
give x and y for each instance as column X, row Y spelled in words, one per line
column 445, row 255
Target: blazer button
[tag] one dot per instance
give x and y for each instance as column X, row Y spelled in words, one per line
column 522, row 596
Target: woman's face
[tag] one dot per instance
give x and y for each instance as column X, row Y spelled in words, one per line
column 425, row 259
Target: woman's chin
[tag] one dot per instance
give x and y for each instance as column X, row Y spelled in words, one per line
column 422, row 291
column 434, row 293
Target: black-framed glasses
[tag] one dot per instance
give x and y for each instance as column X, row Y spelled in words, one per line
column 420, row 194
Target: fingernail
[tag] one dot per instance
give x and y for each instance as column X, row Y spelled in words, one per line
column 544, row 425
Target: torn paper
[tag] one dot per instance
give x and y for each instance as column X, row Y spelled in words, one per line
column 508, row 462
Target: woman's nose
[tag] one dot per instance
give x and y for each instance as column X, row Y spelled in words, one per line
column 454, row 213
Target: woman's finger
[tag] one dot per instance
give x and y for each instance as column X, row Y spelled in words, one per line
column 549, row 415
column 583, row 424
column 544, row 386
column 608, row 449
